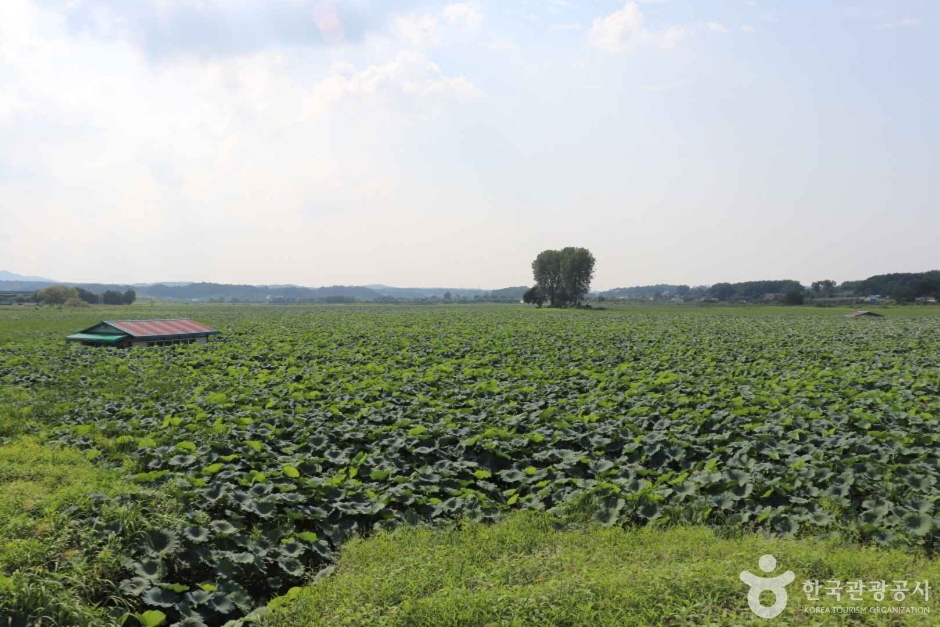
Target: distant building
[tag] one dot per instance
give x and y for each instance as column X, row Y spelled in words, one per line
column 927, row 300
column 873, row 298
column 141, row 333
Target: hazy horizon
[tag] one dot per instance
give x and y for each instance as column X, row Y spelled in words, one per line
column 317, row 142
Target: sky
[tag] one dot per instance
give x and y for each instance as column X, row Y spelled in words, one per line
column 324, row 142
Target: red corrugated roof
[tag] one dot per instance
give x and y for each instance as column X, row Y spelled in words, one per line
column 160, row 328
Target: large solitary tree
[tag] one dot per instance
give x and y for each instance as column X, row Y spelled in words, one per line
column 546, row 270
column 564, row 276
column 577, row 271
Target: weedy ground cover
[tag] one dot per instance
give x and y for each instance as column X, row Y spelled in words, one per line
column 303, row 427
column 527, row 571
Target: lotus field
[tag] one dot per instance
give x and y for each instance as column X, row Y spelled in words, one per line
column 245, row 464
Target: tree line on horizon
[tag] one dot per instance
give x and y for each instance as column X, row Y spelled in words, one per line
column 562, row 278
column 62, row 295
column 902, row 287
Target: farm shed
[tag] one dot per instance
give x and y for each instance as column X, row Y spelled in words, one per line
column 860, row 314
column 140, row 333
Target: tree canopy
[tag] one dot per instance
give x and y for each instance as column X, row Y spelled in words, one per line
column 533, row 296
column 56, row 295
column 902, row 286
column 752, row 289
column 564, row 276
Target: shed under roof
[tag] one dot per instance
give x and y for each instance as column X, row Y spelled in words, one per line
column 170, row 327
column 113, row 331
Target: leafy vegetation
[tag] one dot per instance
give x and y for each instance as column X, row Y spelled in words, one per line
column 300, row 428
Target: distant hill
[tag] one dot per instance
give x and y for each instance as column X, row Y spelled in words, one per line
column 509, row 292
column 455, row 292
column 12, row 276
column 199, row 292
column 641, row 291
column 424, row 292
column 170, row 283
column 23, row 286
column 255, row 293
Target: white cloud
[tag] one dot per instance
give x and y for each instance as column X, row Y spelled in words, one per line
column 717, row 27
column 747, row 29
column 502, row 44
column 410, row 73
column 463, row 14
column 113, row 143
column 656, row 88
column 418, row 31
column 859, row 12
column 899, row 24
column 616, row 31
column 624, row 29
column 570, row 26
column 427, row 30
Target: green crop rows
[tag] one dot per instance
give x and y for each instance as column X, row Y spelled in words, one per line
column 299, row 428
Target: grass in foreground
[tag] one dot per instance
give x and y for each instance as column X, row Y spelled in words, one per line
column 56, row 567
column 525, row 572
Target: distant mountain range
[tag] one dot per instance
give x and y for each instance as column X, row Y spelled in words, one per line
column 12, row 276
column 199, row 292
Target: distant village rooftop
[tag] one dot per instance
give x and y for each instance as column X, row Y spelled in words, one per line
column 142, row 333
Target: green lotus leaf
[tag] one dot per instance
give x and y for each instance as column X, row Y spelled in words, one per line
column 512, row 476
column 198, row 597
column 148, row 569
column 151, row 618
column 222, row 527
column 135, row 586
column 221, row 603
column 160, row 597
column 243, row 557
column 196, row 534
column 917, row 523
column 159, row 542
column 722, row 501
column 291, row 566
